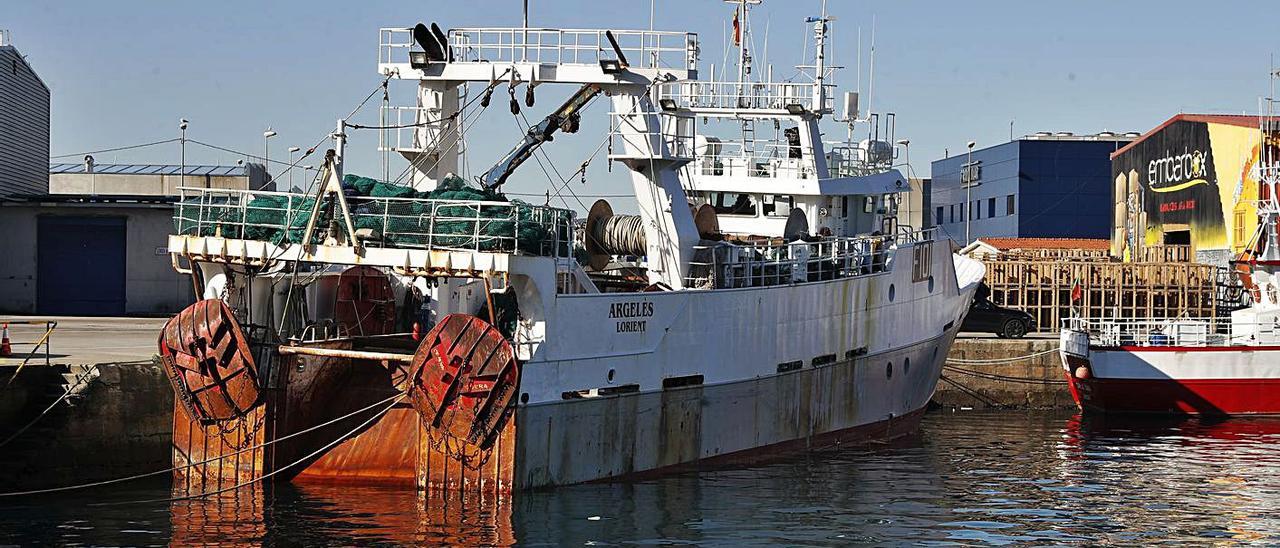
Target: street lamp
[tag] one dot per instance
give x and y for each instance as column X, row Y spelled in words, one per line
column 266, row 156
column 968, row 207
column 182, row 140
column 291, row 166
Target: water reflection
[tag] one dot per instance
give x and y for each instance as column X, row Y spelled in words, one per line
column 994, row 478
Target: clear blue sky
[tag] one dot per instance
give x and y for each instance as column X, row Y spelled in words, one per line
column 125, row 71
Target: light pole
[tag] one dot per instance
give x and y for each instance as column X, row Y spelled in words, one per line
column 266, row 156
column 968, row 207
column 291, row 166
column 182, row 140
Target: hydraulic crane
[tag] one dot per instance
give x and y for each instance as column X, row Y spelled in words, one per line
column 567, row 118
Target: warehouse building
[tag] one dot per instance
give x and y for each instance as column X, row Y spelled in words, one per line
column 1047, row 185
column 95, row 243
column 1188, row 189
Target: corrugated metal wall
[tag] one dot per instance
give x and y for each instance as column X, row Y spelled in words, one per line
column 24, row 127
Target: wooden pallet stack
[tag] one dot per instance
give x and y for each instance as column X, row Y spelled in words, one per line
column 1043, row 289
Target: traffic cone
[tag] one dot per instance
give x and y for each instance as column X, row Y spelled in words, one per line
column 6, row 349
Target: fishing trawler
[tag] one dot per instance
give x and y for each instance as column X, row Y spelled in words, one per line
column 1185, row 366
column 437, row 334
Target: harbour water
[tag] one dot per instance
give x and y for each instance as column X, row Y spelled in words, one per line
column 968, row 477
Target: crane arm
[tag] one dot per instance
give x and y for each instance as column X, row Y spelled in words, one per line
column 566, row 118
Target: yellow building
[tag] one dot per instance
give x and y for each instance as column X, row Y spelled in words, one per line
column 1187, row 190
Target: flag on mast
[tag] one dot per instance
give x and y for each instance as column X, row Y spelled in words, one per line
column 737, row 33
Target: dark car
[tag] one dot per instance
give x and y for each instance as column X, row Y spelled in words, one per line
column 985, row 317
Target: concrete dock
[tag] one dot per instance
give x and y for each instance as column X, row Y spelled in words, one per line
column 985, row 372
column 97, row 409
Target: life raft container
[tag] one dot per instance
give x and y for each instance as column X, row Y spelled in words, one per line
column 463, row 383
column 208, row 360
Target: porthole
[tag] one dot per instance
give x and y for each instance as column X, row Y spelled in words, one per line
column 888, row 370
column 891, row 292
column 611, row 372
column 906, row 366
column 931, row 284
column 524, row 398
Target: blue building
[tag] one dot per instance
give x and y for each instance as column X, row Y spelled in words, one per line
column 1039, row 186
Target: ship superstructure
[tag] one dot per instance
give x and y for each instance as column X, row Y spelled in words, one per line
column 482, row 349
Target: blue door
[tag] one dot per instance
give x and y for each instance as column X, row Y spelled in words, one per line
column 80, row 266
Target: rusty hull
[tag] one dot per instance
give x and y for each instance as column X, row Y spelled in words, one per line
column 307, row 390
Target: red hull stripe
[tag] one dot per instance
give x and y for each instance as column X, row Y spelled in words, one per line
column 1184, row 348
column 1194, row 397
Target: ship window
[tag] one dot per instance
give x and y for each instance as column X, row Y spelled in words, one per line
column 1008, row 205
column 777, row 205
column 869, row 204
column 938, row 216
column 733, row 203
column 844, row 206
column 991, row 207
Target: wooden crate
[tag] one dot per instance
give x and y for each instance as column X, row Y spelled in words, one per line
column 1042, row 288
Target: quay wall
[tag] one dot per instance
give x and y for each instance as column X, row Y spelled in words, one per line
column 116, row 423
column 1003, row 382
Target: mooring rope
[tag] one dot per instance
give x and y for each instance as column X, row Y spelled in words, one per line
column 71, row 388
column 245, row 483
column 396, row 397
column 969, row 391
column 1002, row 360
column 1005, row 378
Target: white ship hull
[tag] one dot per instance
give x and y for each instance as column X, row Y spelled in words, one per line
column 733, row 373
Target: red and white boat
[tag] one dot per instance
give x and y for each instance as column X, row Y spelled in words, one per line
column 1190, row 366
column 1175, row 366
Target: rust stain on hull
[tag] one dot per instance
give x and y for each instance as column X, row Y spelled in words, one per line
column 396, row 449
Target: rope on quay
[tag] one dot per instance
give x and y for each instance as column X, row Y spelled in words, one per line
column 1005, row 378
column 396, row 397
column 1003, row 360
column 308, row 456
column 79, row 379
column 985, row 400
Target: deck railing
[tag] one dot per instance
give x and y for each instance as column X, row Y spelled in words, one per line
column 462, row 225
column 747, row 95
column 726, row 265
column 643, row 49
column 1174, row 332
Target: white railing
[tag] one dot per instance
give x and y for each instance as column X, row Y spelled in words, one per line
column 1174, row 332
column 627, row 140
column 747, row 95
column 769, row 159
column 465, row 225
column 408, row 124
column 643, row 49
column 725, row 265
column 845, row 159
